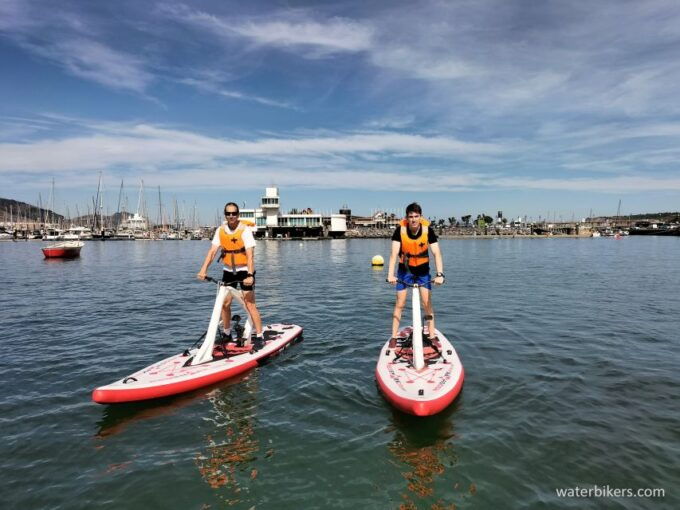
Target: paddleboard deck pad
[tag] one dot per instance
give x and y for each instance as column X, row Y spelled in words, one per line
column 424, row 392
column 176, row 375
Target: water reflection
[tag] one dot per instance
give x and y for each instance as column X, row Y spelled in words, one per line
column 227, row 461
column 270, row 248
column 60, row 260
column 117, row 418
column 426, row 448
column 338, row 251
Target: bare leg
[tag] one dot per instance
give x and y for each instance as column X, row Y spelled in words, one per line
column 426, row 300
column 226, row 312
column 398, row 308
column 251, row 307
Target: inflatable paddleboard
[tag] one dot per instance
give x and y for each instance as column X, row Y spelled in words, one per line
column 210, row 363
column 176, row 374
column 420, row 392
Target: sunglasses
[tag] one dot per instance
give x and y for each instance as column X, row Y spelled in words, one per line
column 230, row 213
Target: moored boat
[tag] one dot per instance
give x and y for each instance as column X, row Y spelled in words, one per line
column 64, row 250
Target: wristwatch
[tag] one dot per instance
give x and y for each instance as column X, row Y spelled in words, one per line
column 439, row 274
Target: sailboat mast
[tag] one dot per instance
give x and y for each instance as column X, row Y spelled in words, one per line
column 95, row 201
column 50, row 202
column 120, row 194
column 41, row 211
column 160, row 209
column 101, row 210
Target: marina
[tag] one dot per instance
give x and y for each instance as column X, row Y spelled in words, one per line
column 270, row 223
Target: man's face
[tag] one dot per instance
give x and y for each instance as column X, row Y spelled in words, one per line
column 232, row 216
column 413, row 219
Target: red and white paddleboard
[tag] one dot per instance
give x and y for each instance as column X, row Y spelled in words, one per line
column 177, row 375
column 420, row 392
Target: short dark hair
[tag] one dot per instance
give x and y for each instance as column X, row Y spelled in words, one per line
column 414, row 207
column 232, row 204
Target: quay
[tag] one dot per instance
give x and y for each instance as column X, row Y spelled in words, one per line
column 22, row 221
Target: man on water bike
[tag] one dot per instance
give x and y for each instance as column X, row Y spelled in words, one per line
column 235, row 238
column 410, row 242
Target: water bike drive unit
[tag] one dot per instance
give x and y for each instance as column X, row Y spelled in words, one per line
column 415, row 376
column 210, row 363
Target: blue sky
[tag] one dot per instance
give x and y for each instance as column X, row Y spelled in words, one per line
column 533, row 108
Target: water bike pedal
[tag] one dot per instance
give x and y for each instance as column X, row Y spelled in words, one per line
column 258, row 342
column 406, row 343
column 223, row 339
column 229, row 350
column 432, row 342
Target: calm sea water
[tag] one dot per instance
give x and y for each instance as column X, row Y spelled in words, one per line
column 571, row 350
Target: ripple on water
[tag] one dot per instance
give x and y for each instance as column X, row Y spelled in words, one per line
column 569, row 348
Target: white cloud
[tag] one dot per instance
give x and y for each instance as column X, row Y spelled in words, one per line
column 211, row 176
column 391, row 122
column 369, row 161
column 621, row 184
column 330, row 36
column 334, row 35
column 423, row 64
column 209, row 85
column 147, row 144
column 94, row 61
column 70, row 42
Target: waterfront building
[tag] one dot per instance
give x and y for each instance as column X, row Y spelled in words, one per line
column 378, row 219
column 270, row 223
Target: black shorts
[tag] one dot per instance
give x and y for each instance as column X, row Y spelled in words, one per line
column 232, row 279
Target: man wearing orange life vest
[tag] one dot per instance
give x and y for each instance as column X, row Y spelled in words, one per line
column 235, row 238
column 410, row 243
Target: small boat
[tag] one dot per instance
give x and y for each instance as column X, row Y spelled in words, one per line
column 53, row 234
column 77, row 234
column 64, row 250
column 124, row 235
column 417, row 377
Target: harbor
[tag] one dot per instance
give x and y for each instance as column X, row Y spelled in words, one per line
column 20, row 221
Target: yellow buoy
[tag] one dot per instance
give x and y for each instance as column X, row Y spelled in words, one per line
column 377, row 260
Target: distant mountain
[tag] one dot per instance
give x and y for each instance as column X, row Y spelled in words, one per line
column 20, row 211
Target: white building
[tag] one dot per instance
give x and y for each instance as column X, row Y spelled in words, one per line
column 271, row 223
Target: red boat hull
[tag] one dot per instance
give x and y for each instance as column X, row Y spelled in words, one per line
column 62, row 253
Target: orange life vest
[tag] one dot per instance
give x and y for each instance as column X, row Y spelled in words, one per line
column 414, row 251
column 233, row 247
